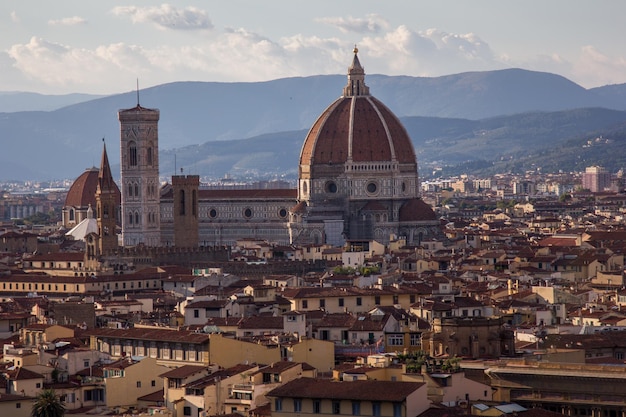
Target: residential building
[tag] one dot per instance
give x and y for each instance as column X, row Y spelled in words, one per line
column 596, row 179
column 16, row 405
column 364, row 398
column 128, row 379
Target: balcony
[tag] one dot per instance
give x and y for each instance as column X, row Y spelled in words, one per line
column 241, row 394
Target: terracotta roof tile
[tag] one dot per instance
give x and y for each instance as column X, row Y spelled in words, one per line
column 372, row 390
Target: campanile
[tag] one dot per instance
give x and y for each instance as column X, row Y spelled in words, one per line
column 139, row 164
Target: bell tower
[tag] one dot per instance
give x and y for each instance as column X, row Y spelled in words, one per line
column 185, row 188
column 106, row 205
column 139, row 165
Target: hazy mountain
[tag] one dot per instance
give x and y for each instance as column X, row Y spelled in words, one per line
column 63, row 142
column 14, row 101
column 553, row 140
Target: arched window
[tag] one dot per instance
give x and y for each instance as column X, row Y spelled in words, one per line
column 182, row 202
column 132, row 154
column 105, row 211
column 149, row 156
column 130, row 218
column 136, row 190
column 137, row 217
column 72, row 214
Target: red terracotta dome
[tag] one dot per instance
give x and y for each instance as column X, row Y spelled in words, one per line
column 358, row 128
column 416, row 210
column 82, row 193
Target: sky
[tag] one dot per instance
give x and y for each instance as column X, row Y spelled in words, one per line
column 105, row 46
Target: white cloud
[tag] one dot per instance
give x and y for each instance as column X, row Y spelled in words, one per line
column 67, row 21
column 591, row 68
column 14, row 17
column 594, row 68
column 403, row 51
column 371, row 24
column 62, row 67
column 167, row 16
column 242, row 55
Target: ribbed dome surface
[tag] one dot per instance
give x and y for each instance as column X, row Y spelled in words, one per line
column 360, row 129
column 357, row 128
column 83, row 191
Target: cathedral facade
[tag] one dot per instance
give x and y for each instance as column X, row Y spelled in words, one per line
column 358, row 180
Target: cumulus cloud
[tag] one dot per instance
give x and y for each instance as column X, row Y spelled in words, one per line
column 371, row 24
column 238, row 54
column 63, row 67
column 403, row 51
column 67, row 21
column 167, row 16
column 242, row 55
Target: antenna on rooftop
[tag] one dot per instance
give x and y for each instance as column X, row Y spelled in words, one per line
column 137, row 92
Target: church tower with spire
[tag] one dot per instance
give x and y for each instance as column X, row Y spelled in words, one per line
column 107, row 205
column 139, row 163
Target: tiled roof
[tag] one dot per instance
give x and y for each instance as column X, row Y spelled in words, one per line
column 217, row 376
column 277, row 367
column 211, row 304
column 262, row 322
column 248, row 194
column 558, row 241
column 369, row 323
column 336, row 320
column 157, row 396
column 371, row 390
column 151, row 334
column 14, row 397
column 22, row 373
column 58, row 256
column 416, row 210
column 183, row 371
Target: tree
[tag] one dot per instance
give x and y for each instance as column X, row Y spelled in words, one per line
column 47, row 404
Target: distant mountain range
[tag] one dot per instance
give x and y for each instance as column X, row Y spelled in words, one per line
column 495, row 120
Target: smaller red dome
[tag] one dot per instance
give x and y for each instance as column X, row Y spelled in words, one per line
column 299, row 208
column 416, row 210
column 82, row 193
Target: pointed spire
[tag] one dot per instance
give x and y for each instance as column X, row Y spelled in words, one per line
column 356, row 78
column 105, row 178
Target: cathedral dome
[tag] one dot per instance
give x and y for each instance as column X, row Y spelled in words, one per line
column 357, row 128
column 82, row 193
